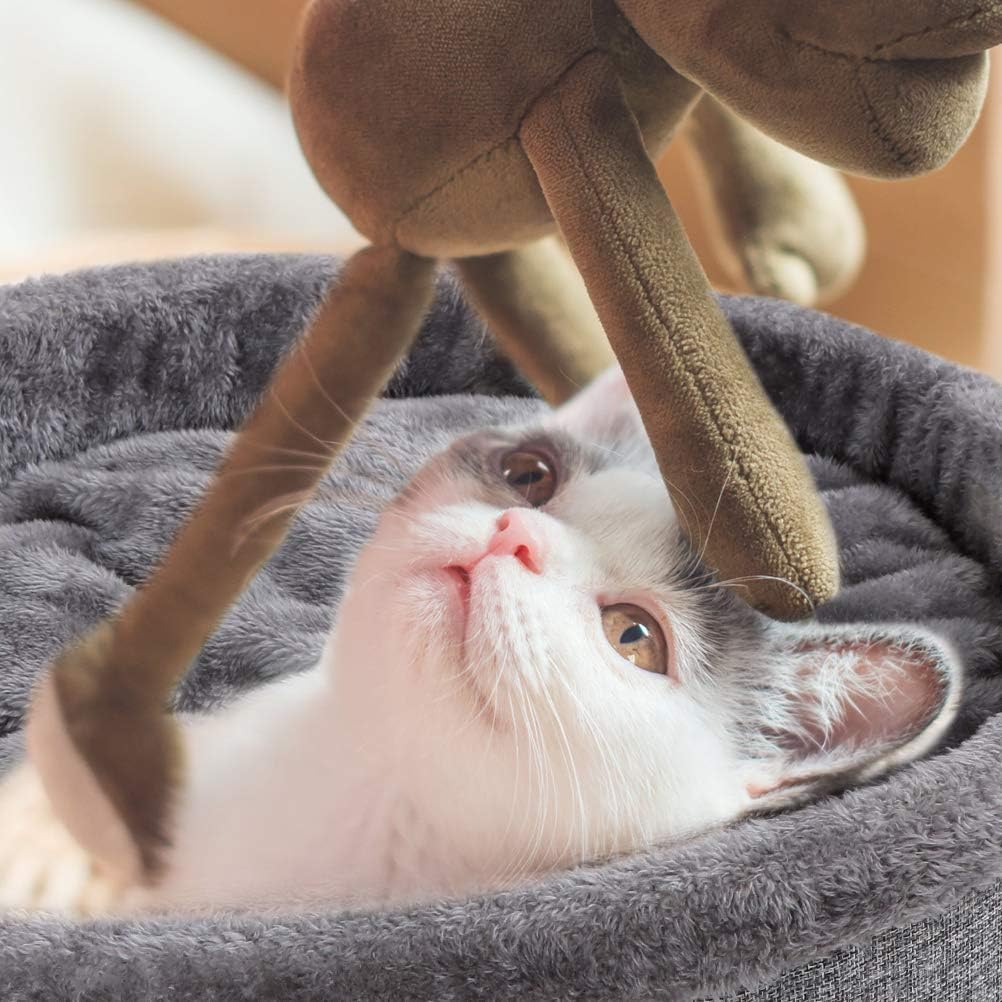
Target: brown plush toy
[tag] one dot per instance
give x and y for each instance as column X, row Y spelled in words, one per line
column 474, row 130
column 785, row 225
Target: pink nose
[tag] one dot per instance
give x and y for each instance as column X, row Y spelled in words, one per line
column 519, row 534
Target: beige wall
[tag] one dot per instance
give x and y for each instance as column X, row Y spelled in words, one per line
column 257, row 33
column 934, row 261
column 935, row 243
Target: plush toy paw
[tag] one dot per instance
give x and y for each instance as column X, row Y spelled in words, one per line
column 42, row 868
column 810, row 245
column 788, row 225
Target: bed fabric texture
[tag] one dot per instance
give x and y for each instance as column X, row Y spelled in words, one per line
column 117, row 387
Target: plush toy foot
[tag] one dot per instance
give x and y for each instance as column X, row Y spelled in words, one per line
column 107, row 753
column 788, row 226
column 99, row 728
column 538, row 308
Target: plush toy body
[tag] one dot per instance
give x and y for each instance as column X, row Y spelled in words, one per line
column 473, row 130
column 459, row 129
column 541, row 132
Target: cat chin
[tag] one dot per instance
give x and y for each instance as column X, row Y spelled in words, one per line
column 438, row 605
column 390, row 609
column 416, row 628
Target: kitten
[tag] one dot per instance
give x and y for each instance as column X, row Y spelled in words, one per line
column 531, row 668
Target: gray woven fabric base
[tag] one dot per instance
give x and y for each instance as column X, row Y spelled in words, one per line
column 955, row 957
column 117, row 388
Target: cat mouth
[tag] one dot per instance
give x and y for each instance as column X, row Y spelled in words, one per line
column 481, row 705
column 460, row 579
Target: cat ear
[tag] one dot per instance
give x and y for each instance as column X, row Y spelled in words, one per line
column 852, row 705
column 603, row 412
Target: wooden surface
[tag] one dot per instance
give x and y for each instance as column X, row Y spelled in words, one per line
column 150, row 245
column 258, row 34
column 934, row 248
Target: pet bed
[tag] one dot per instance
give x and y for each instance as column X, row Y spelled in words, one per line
column 116, row 390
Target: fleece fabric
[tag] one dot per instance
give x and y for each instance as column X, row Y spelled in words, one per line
column 118, row 390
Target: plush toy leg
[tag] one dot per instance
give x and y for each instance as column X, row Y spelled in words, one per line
column 789, row 224
column 106, row 748
column 537, row 306
column 730, row 463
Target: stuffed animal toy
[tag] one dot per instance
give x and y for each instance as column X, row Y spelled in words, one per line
column 784, row 225
column 474, row 131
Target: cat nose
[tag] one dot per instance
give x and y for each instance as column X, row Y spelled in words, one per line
column 519, row 534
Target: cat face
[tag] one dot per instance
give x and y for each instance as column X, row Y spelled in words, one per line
column 530, row 648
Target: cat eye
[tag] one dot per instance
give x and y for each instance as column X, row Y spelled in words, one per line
column 530, row 474
column 636, row 636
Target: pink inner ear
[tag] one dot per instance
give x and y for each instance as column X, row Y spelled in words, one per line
column 885, row 696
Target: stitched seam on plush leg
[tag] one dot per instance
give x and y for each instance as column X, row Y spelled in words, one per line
column 693, row 380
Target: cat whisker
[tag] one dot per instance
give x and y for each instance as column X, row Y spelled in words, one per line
column 323, row 390
column 398, row 471
column 513, row 804
column 568, row 756
column 740, row 582
column 608, row 449
column 272, row 468
column 713, row 517
column 487, row 705
column 537, row 775
column 287, row 502
column 329, row 448
column 287, row 450
column 543, row 777
column 601, row 743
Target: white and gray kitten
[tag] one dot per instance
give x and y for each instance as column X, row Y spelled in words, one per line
column 531, row 668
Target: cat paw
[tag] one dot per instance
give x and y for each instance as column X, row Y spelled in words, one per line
column 42, row 868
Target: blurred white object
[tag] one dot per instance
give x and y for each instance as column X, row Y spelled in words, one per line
column 112, row 120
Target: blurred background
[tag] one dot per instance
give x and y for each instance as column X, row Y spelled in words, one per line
column 153, row 128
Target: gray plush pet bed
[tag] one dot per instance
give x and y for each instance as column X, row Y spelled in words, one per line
column 116, row 388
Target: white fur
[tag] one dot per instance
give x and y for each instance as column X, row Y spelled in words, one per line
column 430, row 755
